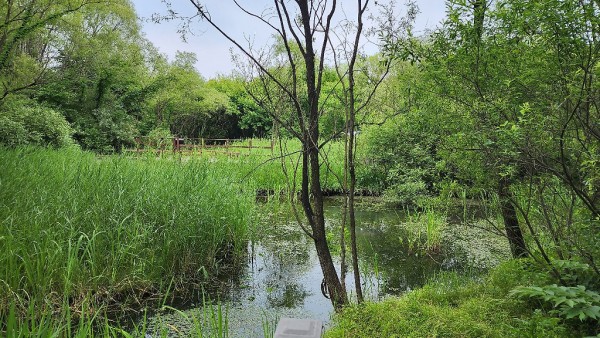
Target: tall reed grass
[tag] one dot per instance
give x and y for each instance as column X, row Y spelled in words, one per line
column 425, row 229
column 80, row 233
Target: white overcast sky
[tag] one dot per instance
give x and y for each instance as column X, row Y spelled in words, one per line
column 213, row 51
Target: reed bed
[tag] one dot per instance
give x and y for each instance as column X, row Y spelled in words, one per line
column 85, row 239
column 79, row 234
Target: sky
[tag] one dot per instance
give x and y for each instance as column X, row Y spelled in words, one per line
column 212, row 50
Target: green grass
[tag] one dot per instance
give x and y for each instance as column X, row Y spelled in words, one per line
column 262, row 169
column 425, row 229
column 211, row 321
column 456, row 306
column 81, row 232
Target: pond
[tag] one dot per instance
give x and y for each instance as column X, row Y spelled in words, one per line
column 282, row 276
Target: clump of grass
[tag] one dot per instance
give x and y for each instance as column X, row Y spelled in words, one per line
column 455, row 306
column 76, row 229
column 425, row 229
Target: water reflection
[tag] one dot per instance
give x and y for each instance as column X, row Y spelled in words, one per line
column 282, row 276
column 283, row 269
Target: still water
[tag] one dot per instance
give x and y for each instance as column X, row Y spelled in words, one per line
column 282, row 276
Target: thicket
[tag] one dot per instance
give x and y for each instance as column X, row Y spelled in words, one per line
column 26, row 122
column 512, row 114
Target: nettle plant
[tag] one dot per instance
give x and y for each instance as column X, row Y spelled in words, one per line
column 577, row 301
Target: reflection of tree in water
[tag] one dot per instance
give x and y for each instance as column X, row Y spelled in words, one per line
column 288, row 247
column 285, row 253
column 401, row 265
column 291, row 295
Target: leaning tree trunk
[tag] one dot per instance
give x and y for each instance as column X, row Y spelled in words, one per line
column 313, row 205
column 511, row 221
column 315, row 211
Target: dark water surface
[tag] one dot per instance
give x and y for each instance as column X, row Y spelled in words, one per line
column 282, row 276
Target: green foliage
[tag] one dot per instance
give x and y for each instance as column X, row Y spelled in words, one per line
column 400, row 158
column 573, row 272
column 575, row 299
column 160, row 137
column 27, row 30
column 453, row 306
column 251, row 118
column 26, row 122
column 98, row 75
column 570, row 301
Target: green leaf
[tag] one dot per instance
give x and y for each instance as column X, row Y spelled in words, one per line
column 592, row 311
column 559, row 301
column 571, row 313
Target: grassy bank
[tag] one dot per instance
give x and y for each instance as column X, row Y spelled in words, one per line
column 81, row 235
column 460, row 306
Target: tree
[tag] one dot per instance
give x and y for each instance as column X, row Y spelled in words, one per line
column 181, row 100
column 465, row 68
column 79, row 58
column 557, row 127
column 355, row 98
column 303, row 28
column 27, row 39
column 251, row 119
column 522, row 74
column 97, row 77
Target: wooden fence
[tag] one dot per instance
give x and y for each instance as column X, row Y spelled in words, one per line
column 199, row 146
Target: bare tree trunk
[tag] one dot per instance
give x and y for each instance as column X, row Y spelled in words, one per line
column 317, row 221
column 352, row 218
column 314, row 211
column 300, row 29
column 343, row 265
column 352, row 187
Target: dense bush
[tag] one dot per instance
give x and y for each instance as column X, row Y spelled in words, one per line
column 400, row 159
column 26, row 122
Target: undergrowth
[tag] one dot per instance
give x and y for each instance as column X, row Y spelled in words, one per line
column 459, row 306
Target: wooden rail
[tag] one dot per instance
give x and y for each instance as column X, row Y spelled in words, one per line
column 197, row 146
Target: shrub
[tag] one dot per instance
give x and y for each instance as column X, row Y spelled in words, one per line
column 400, row 158
column 573, row 300
column 26, row 122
